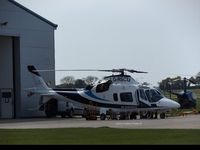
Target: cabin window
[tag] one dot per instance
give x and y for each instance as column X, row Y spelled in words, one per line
column 115, row 97
column 102, row 87
column 126, row 97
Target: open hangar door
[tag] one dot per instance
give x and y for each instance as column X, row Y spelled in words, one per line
column 8, row 77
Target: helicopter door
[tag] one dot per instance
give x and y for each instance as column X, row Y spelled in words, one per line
column 142, row 98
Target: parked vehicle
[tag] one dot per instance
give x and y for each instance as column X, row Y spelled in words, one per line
column 68, row 109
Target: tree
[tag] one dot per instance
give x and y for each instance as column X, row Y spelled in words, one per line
column 79, row 83
column 192, row 80
column 171, row 83
column 71, row 82
column 90, row 79
column 198, row 78
column 68, row 80
column 164, row 84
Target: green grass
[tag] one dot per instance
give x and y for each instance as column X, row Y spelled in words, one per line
column 94, row 136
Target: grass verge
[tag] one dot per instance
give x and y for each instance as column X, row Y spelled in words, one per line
column 93, row 136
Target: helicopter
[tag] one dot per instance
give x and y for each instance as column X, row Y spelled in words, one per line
column 187, row 99
column 115, row 95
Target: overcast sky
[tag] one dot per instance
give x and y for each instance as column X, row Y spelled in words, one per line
column 161, row 37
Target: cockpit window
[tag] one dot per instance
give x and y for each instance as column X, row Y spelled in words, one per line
column 142, row 94
column 158, row 92
column 153, row 95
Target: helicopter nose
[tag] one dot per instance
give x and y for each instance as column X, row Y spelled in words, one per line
column 168, row 103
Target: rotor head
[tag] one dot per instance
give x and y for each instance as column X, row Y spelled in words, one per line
column 122, row 70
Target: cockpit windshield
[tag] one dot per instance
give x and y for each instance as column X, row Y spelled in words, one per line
column 153, row 95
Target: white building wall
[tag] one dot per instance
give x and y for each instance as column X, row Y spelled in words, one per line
column 36, row 48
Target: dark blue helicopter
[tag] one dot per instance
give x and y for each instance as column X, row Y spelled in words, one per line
column 186, row 99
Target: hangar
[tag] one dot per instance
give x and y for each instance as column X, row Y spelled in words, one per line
column 25, row 38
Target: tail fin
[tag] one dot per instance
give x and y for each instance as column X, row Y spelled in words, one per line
column 40, row 85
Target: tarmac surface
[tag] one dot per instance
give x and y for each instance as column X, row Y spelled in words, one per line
column 180, row 122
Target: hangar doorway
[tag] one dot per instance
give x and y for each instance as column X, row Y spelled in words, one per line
column 8, row 78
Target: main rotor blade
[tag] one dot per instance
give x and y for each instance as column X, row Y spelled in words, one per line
column 135, row 71
column 110, row 70
column 122, row 70
column 51, row 70
column 46, row 70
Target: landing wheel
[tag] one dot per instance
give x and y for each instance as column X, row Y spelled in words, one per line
column 149, row 115
column 122, row 116
column 63, row 115
column 162, row 116
column 146, row 115
column 70, row 113
column 133, row 115
column 102, row 116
